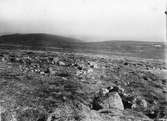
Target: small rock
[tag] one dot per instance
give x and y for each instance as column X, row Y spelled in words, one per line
column 55, row 60
column 139, row 104
column 61, row 63
column 42, row 73
column 30, row 114
column 8, row 116
column 79, row 68
column 90, row 70
column 113, row 89
column 74, row 112
column 51, row 71
column 92, row 64
column 3, row 59
column 61, row 113
column 78, row 73
column 161, row 119
column 2, row 110
column 103, row 91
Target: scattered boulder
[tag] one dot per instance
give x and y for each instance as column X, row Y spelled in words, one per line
column 51, row 71
column 2, row 110
column 92, row 64
column 78, row 73
column 113, row 89
column 62, row 112
column 65, row 74
column 90, row 70
column 71, row 112
column 161, row 119
column 126, row 63
column 42, row 73
column 103, row 91
column 127, row 101
column 82, row 70
column 92, row 116
column 30, row 114
column 139, row 104
column 8, row 116
column 79, row 67
column 55, row 60
column 61, row 63
column 3, row 59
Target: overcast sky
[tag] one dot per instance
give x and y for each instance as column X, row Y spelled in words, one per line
column 92, row 20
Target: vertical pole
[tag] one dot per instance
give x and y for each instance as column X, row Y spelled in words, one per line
column 165, row 38
column 166, row 46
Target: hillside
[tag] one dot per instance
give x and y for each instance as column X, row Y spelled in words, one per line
column 153, row 50
column 36, row 41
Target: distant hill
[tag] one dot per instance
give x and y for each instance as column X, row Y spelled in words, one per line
column 37, row 40
column 59, row 43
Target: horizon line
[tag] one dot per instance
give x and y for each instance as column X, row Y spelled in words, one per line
column 80, row 38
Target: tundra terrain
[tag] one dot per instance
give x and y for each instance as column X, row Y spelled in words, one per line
column 53, row 78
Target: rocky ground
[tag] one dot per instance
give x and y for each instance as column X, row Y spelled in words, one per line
column 57, row 86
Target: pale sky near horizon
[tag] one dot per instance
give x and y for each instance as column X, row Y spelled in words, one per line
column 91, row 20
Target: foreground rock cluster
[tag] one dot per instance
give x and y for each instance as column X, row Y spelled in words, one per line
column 47, row 86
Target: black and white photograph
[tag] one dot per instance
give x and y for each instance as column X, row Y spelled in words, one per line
column 83, row 60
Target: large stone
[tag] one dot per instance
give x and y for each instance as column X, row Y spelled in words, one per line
column 113, row 101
